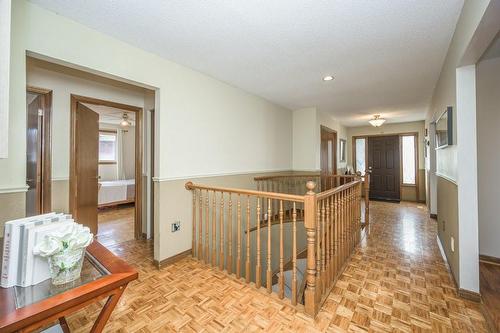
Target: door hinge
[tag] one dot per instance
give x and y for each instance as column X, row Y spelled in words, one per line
column 40, row 112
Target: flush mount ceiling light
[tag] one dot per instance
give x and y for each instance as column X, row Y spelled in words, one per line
column 377, row 121
column 328, row 78
column 125, row 121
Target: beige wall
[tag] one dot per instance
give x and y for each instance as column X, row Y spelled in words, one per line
column 447, row 222
column 408, row 193
column 12, row 205
column 488, row 159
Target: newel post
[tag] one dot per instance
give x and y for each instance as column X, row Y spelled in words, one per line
column 311, row 306
column 367, row 197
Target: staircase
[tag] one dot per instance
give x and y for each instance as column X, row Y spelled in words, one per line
column 292, row 245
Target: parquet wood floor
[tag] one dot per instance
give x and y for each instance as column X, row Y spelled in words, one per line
column 115, row 224
column 395, row 282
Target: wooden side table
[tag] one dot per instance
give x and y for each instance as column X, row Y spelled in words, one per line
column 104, row 275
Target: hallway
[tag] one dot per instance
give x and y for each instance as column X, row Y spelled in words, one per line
column 396, row 281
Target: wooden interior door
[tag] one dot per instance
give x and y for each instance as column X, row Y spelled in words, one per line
column 86, row 166
column 384, row 162
column 328, row 156
column 34, row 155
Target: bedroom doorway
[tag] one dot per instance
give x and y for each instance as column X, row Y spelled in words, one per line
column 106, row 168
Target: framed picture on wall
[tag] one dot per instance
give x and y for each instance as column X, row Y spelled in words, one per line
column 444, row 129
column 343, row 144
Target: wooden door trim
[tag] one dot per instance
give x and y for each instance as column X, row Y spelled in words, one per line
column 46, row 154
column 75, row 99
column 330, row 131
column 400, row 134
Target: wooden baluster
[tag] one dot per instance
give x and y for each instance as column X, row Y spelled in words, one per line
column 328, row 242
column 294, row 255
column 229, row 263
column 258, row 267
column 341, row 235
column 311, row 302
column 282, row 250
column 318, row 248
column 221, row 233
column 247, row 266
column 193, row 241
column 238, row 251
column 207, row 228
column 332, row 239
column 269, row 225
column 214, row 229
column 323, row 247
column 200, row 227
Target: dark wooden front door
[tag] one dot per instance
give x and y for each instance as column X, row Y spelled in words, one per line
column 87, row 156
column 383, row 160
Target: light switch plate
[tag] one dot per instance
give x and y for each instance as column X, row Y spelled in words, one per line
column 176, row 226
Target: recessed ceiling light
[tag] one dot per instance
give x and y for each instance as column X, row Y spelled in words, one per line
column 328, row 78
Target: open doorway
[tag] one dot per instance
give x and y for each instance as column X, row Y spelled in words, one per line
column 105, row 168
column 38, row 150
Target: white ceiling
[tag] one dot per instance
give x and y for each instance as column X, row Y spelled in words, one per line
column 110, row 115
column 386, row 55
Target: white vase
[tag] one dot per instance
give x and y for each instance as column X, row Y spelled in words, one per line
column 66, row 266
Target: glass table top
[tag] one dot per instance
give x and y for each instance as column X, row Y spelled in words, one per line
column 91, row 271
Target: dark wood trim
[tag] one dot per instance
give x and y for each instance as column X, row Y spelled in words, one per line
column 46, row 148
column 152, row 173
column 433, row 216
column 489, row 259
column 138, row 154
column 171, row 260
column 107, row 131
column 107, row 162
column 116, row 203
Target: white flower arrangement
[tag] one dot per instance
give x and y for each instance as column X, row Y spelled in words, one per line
column 65, row 251
column 77, row 237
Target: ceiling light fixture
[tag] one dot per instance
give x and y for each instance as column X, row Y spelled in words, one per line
column 377, row 121
column 328, row 78
column 125, row 121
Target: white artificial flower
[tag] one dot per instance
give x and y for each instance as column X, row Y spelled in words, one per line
column 48, row 246
column 81, row 238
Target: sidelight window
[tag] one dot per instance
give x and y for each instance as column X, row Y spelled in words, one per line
column 409, row 161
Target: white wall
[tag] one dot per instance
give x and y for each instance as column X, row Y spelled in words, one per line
column 467, row 178
column 488, row 160
column 304, row 139
column 307, row 138
column 5, row 6
column 203, row 126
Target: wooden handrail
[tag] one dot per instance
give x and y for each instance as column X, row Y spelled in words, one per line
column 269, row 195
column 332, row 222
column 337, row 189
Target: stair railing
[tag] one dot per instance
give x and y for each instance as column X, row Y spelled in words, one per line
column 330, row 222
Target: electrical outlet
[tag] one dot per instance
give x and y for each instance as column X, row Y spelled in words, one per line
column 176, row 226
column 452, row 244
